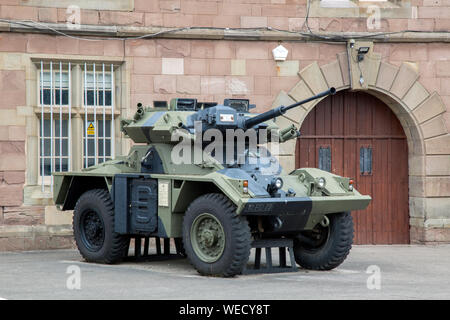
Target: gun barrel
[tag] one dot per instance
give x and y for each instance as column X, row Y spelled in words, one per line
column 139, row 112
column 288, row 133
column 293, row 133
column 330, row 91
column 273, row 113
column 286, row 130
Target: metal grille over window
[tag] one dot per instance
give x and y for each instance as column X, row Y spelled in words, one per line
column 55, row 122
column 98, row 102
column 96, row 92
column 325, row 158
column 59, row 161
column 100, row 145
column 365, row 160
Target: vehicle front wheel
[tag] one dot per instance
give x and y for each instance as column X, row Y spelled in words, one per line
column 93, row 226
column 217, row 241
column 326, row 246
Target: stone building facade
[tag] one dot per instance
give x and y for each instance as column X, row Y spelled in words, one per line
column 56, row 55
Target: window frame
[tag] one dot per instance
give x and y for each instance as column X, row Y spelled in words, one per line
column 87, row 108
column 54, row 89
column 95, row 88
column 54, row 111
column 43, row 178
column 97, row 157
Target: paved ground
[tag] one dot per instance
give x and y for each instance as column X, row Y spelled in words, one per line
column 406, row 272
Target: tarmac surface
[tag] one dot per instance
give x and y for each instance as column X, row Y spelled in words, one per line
column 370, row 272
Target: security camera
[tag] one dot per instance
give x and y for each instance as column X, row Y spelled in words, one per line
column 361, row 52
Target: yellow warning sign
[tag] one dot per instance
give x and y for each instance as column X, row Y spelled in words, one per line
column 91, row 129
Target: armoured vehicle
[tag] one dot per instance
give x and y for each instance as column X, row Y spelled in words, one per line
column 214, row 208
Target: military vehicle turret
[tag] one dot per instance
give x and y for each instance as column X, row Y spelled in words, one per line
column 199, row 173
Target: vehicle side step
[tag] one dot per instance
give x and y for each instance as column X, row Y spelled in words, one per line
column 268, row 244
column 165, row 254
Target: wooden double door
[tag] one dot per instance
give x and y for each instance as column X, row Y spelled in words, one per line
column 356, row 135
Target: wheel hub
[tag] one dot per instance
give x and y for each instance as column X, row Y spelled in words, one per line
column 92, row 230
column 207, row 237
column 314, row 240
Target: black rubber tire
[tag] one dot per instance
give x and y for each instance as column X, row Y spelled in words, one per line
column 237, row 236
column 115, row 246
column 334, row 251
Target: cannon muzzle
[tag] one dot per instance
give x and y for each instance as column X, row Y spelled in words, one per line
column 273, row 113
column 139, row 112
column 289, row 133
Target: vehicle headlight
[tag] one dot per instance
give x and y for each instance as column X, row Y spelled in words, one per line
column 278, row 183
column 321, row 182
column 275, row 185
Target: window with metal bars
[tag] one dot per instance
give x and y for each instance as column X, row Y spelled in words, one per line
column 96, row 87
column 98, row 97
column 98, row 150
column 54, row 151
column 54, row 130
column 56, row 90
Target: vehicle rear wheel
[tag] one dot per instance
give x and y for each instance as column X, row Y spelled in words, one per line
column 93, row 226
column 217, row 241
column 325, row 247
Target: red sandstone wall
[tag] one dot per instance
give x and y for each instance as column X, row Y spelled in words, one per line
column 428, row 15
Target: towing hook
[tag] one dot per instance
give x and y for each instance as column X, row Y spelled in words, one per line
column 325, row 222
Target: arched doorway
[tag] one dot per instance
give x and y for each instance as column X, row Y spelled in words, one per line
column 356, row 135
